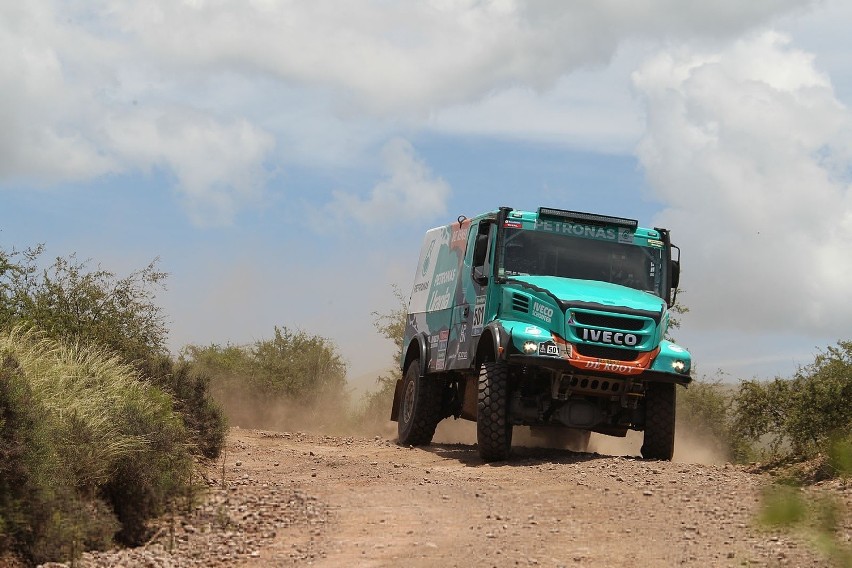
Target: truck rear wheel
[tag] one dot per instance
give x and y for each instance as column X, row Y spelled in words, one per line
column 660, row 399
column 493, row 429
column 420, row 407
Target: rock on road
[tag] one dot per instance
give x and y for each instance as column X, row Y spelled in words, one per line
column 288, row 498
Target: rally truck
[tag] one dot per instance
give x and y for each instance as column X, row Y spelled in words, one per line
column 551, row 319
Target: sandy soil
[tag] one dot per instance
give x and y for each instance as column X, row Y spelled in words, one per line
column 289, row 498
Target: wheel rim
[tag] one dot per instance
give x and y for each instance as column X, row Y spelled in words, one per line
column 408, row 402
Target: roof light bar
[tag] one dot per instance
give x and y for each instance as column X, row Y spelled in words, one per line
column 588, row 218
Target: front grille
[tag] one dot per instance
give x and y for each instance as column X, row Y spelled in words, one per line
column 601, row 352
column 521, row 303
column 611, row 322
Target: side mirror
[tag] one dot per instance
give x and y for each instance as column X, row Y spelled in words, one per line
column 675, row 269
column 479, row 277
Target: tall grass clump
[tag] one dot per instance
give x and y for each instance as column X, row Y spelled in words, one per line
column 88, row 451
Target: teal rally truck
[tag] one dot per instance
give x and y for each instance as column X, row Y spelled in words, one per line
column 551, row 319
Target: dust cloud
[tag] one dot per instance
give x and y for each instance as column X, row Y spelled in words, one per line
column 336, row 418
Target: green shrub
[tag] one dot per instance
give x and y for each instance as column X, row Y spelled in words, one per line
column 83, row 443
column 71, row 303
column 190, row 387
column 705, row 409
column 818, row 516
column 293, row 380
column 800, row 417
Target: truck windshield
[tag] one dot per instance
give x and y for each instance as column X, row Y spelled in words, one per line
column 537, row 253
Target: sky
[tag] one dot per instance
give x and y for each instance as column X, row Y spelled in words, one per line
column 282, row 159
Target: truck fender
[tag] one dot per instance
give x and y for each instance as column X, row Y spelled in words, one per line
column 419, row 348
column 498, row 347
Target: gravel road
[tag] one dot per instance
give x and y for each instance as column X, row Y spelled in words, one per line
column 288, row 498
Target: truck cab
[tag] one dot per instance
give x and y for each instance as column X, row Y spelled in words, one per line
column 552, row 319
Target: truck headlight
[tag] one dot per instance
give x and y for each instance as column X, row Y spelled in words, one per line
column 679, row 366
column 530, row 347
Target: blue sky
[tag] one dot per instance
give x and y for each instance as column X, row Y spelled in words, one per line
column 283, row 159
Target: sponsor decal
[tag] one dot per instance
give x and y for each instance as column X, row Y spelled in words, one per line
column 625, row 236
column 578, row 229
column 478, row 316
column 548, row 348
column 440, row 301
column 543, row 312
column 513, row 225
column 462, row 356
column 463, row 333
column 446, row 277
column 610, row 337
column 439, row 366
column 428, row 258
column 532, row 330
column 655, row 243
column 677, row 349
column 607, row 366
column 460, row 235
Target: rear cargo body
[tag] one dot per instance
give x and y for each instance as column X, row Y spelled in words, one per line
column 552, row 319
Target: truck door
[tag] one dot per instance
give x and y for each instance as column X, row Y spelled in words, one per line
column 472, row 294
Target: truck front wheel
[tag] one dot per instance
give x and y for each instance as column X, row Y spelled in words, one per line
column 420, row 407
column 660, row 399
column 493, row 429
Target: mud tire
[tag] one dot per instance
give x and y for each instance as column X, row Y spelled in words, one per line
column 660, row 401
column 419, row 407
column 493, row 429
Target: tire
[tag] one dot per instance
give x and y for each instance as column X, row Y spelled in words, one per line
column 493, row 429
column 419, row 408
column 660, row 399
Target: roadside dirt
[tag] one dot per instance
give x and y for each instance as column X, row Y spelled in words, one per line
column 290, row 498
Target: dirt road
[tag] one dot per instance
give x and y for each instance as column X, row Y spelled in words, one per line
column 281, row 499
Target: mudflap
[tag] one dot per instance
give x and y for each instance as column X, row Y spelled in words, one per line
column 397, row 394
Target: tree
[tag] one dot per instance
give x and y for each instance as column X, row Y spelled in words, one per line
column 674, row 322
column 376, row 405
column 71, row 303
column 295, row 379
column 802, row 415
column 76, row 305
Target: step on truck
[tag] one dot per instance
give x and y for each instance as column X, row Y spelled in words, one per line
column 551, row 319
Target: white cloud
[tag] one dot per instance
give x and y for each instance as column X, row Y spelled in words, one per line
column 78, row 78
column 415, row 56
column 218, row 165
column 749, row 148
column 409, row 191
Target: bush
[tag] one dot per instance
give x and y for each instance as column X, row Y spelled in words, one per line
column 85, row 444
column 800, row 417
column 293, row 379
column 73, row 304
column 705, row 409
column 190, row 387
